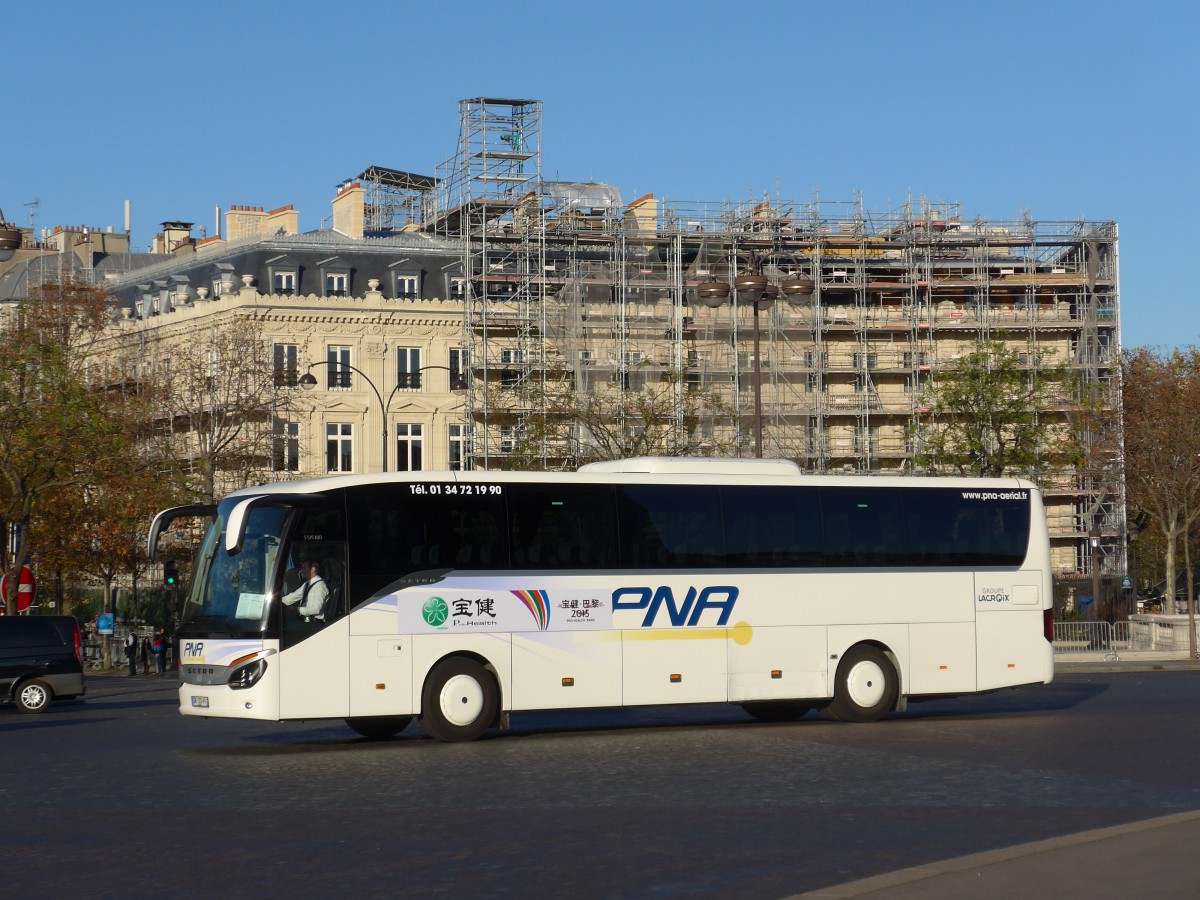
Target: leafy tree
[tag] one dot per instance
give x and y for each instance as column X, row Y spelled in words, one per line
column 988, row 416
column 1161, row 406
column 54, row 432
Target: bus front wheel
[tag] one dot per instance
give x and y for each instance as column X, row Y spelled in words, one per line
column 866, row 687
column 460, row 700
column 379, row 728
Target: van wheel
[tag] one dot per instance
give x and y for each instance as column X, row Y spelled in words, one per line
column 379, row 728
column 34, row 696
column 459, row 701
column 776, row 710
column 866, row 688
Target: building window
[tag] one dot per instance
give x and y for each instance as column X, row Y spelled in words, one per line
column 408, row 368
column 409, row 447
column 460, row 448
column 407, row 286
column 284, row 282
column 286, row 364
column 285, row 452
column 457, row 287
column 337, row 284
column 510, row 435
column 339, row 367
column 339, row 448
column 458, row 369
column 513, row 357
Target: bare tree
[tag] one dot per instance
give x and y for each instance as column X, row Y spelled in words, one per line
column 576, row 424
column 216, row 401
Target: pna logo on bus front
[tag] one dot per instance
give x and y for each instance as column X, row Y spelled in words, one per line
column 435, row 612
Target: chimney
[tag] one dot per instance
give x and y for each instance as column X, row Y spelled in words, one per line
column 349, row 209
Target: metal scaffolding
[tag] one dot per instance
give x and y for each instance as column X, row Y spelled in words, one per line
column 568, row 287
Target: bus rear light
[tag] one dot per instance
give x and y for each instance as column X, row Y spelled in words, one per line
column 1048, row 624
column 248, row 675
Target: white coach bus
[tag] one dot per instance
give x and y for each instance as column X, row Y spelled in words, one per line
column 462, row 597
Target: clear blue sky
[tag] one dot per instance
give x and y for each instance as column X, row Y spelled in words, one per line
column 1066, row 110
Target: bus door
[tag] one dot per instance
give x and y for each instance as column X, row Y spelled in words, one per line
column 311, row 610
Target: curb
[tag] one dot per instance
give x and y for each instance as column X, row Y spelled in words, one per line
column 929, row 874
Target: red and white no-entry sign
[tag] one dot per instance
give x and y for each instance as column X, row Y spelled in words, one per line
column 26, row 589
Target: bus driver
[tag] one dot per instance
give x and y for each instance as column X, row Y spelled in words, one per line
column 310, row 597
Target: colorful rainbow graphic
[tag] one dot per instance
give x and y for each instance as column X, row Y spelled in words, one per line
column 538, row 603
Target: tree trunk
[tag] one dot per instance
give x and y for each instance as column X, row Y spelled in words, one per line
column 1191, row 597
column 106, row 657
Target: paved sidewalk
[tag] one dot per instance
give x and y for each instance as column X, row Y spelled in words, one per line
column 1124, row 661
column 1154, row 858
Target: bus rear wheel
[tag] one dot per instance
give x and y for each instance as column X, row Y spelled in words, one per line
column 776, row 710
column 866, row 687
column 379, row 728
column 460, row 700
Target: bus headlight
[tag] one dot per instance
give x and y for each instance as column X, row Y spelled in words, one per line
column 248, row 675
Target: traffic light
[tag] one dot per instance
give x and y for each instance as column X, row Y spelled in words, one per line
column 170, row 573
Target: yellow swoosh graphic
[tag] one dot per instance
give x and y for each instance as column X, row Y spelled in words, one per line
column 741, row 633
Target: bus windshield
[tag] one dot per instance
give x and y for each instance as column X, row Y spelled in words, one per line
column 231, row 593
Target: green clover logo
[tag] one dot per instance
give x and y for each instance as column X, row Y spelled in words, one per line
column 435, row 611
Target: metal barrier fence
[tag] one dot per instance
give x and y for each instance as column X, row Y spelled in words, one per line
column 1077, row 637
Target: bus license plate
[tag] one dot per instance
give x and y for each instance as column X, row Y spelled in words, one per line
column 200, row 702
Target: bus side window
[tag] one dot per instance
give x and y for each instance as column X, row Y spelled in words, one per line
column 771, row 526
column 562, row 527
column 670, row 526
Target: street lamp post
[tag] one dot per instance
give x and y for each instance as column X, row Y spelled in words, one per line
column 1095, row 539
column 308, row 381
column 755, row 289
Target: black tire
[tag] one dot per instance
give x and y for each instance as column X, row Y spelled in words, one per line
column 33, row 696
column 379, row 728
column 867, row 686
column 460, row 700
column 776, row 710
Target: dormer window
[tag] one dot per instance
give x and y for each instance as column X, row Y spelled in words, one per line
column 407, row 285
column 283, row 275
column 283, row 282
column 336, row 284
column 335, row 277
column 222, row 280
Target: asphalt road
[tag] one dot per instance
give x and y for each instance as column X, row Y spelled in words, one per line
column 118, row 793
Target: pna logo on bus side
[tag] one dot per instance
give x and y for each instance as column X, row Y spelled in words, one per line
column 192, row 649
column 687, row 612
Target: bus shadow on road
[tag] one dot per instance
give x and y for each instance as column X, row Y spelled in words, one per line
column 293, row 738
column 1037, row 698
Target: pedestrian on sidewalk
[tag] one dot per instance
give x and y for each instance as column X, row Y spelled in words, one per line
column 145, row 654
column 160, row 651
column 131, row 647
